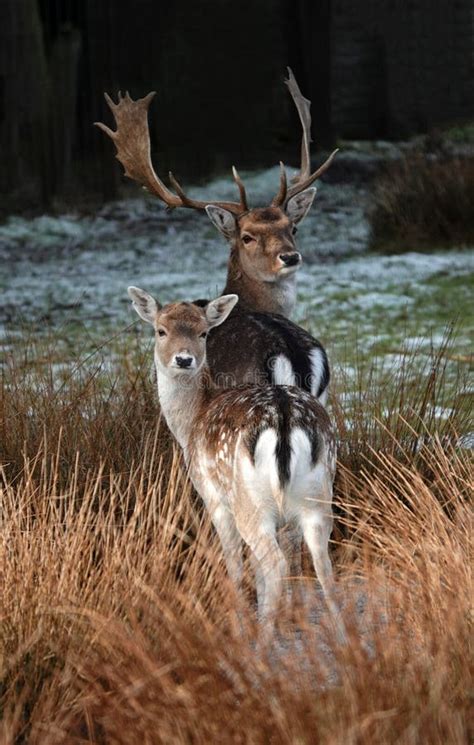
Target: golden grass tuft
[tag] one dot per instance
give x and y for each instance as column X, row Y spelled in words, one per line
column 119, row 624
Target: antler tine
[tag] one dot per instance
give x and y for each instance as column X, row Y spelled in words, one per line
column 281, row 196
column 187, row 201
column 240, row 184
column 132, row 140
column 303, row 107
column 302, row 185
column 305, row 178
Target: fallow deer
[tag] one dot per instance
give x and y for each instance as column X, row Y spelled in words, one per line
column 262, row 264
column 258, row 456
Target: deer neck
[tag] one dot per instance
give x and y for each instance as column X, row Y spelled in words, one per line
column 278, row 296
column 181, row 400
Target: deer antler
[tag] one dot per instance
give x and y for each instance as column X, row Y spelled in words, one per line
column 132, row 140
column 281, row 196
column 303, row 106
column 305, row 178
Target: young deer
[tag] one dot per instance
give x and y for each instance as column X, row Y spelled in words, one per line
column 263, row 258
column 259, row 456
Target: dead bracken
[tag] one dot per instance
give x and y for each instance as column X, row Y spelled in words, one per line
column 118, row 619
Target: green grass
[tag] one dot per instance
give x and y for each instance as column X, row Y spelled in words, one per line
column 349, row 329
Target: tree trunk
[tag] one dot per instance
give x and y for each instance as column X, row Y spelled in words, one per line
column 64, row 79
column 24, row 125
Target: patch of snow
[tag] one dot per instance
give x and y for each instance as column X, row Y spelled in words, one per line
column 381, row 299
column 75, row 269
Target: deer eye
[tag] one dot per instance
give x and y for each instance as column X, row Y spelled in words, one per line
column 203, row 335
column 294, row 230
column 161, row 332
column 247, row 238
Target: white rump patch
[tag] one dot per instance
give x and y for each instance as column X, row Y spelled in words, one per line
column 300, row 464
column 261, row 480
column 317, row 371
column 310, row 484
column 283, row 373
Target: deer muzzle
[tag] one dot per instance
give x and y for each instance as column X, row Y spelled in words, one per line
column 290, row 259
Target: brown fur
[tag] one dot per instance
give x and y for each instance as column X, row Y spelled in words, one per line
column 183, row 313
column 184, row 321
column 255, row 270
column 224, row 413
column 263, row 215
column 243, row 448
column 245, row 409
column 253, row 294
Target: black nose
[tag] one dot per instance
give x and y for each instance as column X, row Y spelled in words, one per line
column 184, row 361
column 290, row 259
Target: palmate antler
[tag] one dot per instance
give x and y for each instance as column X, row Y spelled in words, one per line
column 305, row 178
column 132, row 140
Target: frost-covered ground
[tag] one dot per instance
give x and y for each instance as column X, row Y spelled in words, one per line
column 69, row 274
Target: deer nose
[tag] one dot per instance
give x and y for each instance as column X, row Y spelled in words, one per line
column 290, row 259
column 183, row 361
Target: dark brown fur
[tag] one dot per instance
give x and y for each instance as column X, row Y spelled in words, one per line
column 240, row 351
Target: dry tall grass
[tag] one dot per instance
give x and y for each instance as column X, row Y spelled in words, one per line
column 119, row 624
column 423, row 201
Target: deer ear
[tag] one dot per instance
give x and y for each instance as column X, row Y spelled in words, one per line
column 218, row 310
column 223, row 220
column 145, row 305
column 299, row 205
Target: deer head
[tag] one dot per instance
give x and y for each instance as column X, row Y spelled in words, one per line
column 263, row 248
column 263, row 240
column 180, row 330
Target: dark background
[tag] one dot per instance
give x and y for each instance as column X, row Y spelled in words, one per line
column 373, row 69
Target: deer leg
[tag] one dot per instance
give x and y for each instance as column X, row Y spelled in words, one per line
column 271, row 567
column 316, row 530
column 231, row 542
column 291, row 544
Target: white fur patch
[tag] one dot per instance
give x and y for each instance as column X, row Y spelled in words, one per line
column 310, row 486
column 284, row 293
column 301, row 469
column 317, row 372
column 283, row 373
column 261, row 477
column 323, row 398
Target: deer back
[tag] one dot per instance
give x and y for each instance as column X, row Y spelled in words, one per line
column 266, row 349
column 281, row 432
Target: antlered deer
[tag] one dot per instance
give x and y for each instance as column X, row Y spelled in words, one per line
column 259, row 456
column 263, row 258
